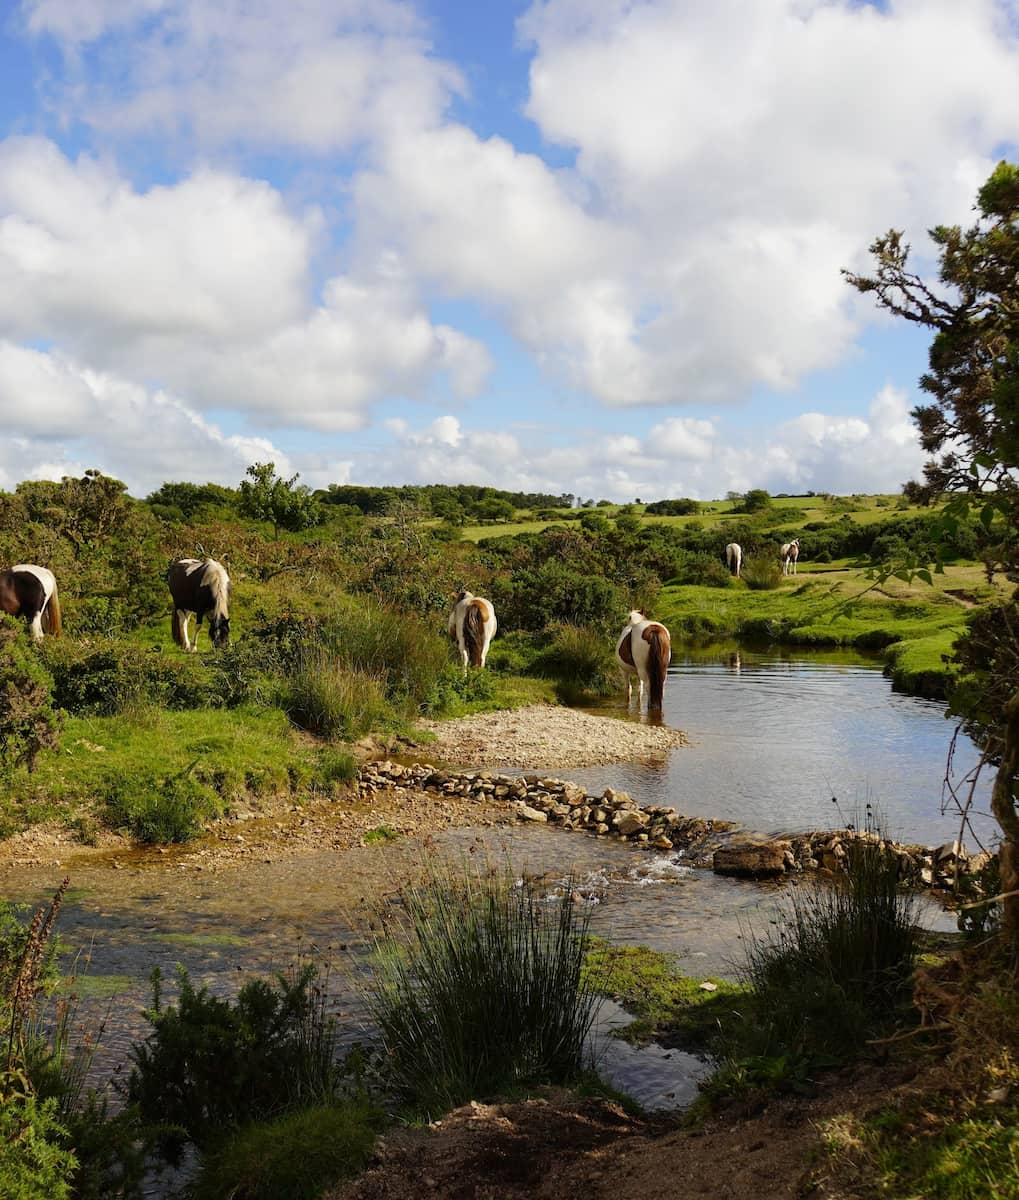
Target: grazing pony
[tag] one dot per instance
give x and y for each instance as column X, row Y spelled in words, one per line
column 199, row 586
column 734, row 558
column 644, row 650
column 790, row 553
column 472, row 626
column 31, row 592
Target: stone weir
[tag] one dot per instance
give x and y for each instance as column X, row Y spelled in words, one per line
column 721, row 845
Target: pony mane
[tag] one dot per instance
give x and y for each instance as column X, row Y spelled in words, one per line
column 218, row 583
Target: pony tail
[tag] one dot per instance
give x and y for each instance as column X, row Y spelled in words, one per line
column 658, row 657
column 474, row 634
column 177, row 628
column 51, row 618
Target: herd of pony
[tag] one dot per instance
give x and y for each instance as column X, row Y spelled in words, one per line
column 201, row 587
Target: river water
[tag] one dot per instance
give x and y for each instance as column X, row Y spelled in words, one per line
column 774, row 736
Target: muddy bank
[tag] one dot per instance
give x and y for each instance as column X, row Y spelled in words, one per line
column 546, row 736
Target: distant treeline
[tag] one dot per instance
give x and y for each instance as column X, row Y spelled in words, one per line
column 447, row 501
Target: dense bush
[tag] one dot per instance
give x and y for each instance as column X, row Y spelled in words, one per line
column 35, row 1163
column 28, row 723
column 478, row 989
column 210, row 1066
column 100, row 677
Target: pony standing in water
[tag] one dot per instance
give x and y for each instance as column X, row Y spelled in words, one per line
column 734, row 558
column 472, row 626
column 199, row 586
column 644, row 650
column 31, row 592
column 790, row 552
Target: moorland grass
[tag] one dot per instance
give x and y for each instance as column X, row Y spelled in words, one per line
column 479, row 989
column 294, row 1157
column 581, row 660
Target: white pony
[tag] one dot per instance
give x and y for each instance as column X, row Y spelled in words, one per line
column 472, row 626
column 644, row 649
column 734, row 558
column 790, row 553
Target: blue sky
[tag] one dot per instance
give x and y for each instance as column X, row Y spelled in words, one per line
column 561, row 245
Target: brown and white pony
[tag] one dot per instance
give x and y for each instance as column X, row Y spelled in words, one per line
column 472, row 626
column 644, row 649
column 199, row 586
column 31, row 592
column 790, row 552
column 734, row 558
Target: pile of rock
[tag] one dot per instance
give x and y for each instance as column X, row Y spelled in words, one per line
column 703, row 842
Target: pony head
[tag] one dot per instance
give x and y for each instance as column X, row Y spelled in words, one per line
column 219, row 631
column 637, row 615
column 464, row 594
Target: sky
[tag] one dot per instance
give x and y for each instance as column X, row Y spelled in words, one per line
column 587, row 246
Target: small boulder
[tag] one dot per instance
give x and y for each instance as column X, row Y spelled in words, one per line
column 750, row 859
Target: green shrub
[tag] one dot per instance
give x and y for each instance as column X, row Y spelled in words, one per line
column 160, row 809
column 210, row 1065
column 28, row 723
column 105, row 677
column 35, row 1163
column 295, row 1157
column 336, row 766
column 478, row 988
column 761, row 573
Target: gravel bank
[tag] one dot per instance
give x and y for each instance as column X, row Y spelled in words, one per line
column 544, row 736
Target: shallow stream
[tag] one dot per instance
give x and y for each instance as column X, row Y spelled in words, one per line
column 774, row 736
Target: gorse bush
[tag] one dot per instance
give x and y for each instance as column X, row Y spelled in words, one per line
column 210, row 1066
column 478, row 988
column 102, row 677
column 28, row 723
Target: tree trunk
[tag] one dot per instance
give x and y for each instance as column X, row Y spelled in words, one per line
column 1004, row 810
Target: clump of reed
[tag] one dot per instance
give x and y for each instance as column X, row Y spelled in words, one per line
column 479, row 988
column 761, row 574
column 325, row 697
column 837, row 970
column 581, row 659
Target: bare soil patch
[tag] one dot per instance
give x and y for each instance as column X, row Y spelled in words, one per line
column 547, row 737
column 561, row 1147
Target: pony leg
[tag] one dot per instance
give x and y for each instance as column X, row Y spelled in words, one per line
column 185, row 621
column 35, row 626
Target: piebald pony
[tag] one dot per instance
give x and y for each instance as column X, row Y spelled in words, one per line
column 644, row 649
column 31, row 592
column 472, row 626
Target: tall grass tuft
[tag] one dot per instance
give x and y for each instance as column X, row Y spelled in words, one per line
column 761, row 574
column 328, row 699
column 478, row 989
column 839, row 969
column 581, row 660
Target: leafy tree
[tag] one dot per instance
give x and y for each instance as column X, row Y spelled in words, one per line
column 971, row 428
column 266, row 496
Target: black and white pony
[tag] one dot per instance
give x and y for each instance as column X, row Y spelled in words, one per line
column 199, row 586
column 472, row 626
column 790, row 552
column 734, row 558
column 644, row 649
column 31, row 592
